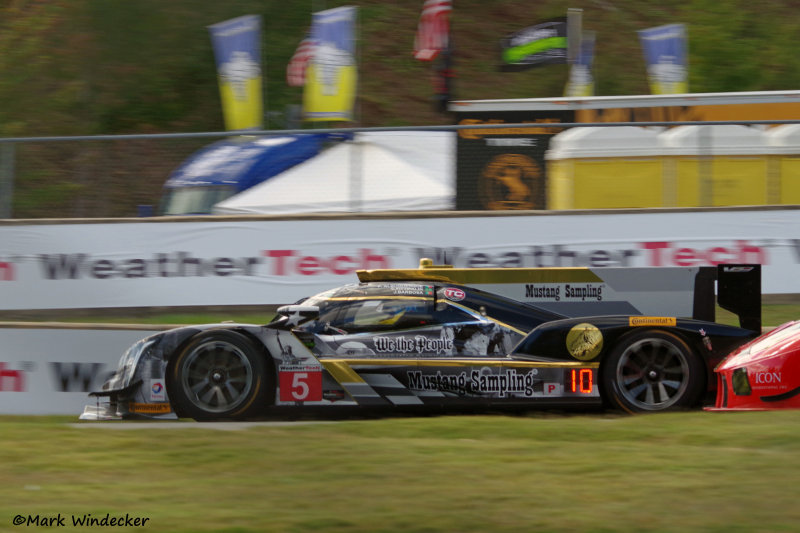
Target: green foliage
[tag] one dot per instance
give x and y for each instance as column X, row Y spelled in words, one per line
column 93, row 66
column 550, row 472
column 83, row 67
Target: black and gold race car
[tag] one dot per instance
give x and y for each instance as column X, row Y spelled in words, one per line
column 429, row 338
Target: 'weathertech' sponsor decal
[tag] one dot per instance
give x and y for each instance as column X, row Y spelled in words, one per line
column 652, row 321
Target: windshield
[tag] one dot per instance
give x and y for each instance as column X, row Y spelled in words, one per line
column 375, row 307
column 194, row 200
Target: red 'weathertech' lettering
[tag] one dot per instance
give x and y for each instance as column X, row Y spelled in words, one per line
column 11, row 380
column 666, row 254
column 6, row 271
column 291, row 262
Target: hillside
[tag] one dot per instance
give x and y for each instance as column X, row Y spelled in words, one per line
column 86, row 67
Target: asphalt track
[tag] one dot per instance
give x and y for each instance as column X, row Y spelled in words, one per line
column 219, row 426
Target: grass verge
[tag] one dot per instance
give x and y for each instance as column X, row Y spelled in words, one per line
column 544, row 472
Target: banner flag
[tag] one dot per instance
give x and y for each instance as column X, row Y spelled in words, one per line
column 581, row 78
column 664, row 50
column 237, row 51
column 542, row 44
column 433, row 32
column 296, row 69
column 331, row 74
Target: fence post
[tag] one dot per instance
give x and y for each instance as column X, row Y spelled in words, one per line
column 356, row 175
column 705, row 166
column 6, row 178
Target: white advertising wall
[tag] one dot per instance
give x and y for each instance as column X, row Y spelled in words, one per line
column 50, row 371
column 261, row 261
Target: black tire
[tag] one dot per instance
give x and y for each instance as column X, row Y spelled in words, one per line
column 219, row 375
column 652, row 371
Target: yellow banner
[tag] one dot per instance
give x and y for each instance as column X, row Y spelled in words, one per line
column 242, row 111
column 329, row 97
column 237, row 50
column 331, row 76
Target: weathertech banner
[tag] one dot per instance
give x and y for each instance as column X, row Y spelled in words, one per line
column 247, row 261
column 331, row 74
column 542, row 44
column 664, row 50
column 237, row 50
column 433, row 33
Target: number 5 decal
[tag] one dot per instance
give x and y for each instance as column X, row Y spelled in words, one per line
column 300, row 386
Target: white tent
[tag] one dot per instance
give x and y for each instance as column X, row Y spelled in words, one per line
column 377, row 171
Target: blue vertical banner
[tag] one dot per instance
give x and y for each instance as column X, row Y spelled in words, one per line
column 581, row 78
column 237, row 51
column 331, row 75
column 664, row 50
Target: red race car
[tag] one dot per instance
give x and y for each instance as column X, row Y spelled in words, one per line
column 763, row 374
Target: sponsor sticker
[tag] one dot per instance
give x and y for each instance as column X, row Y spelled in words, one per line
column 567, row 292
column 652, row 321
column 149, row 408
column 158, row 392
column 418, row 344
column 768, row 380
column 553, row 389
column 454, row 294
column 477, row 382
column 584, row 341
column 300, row 384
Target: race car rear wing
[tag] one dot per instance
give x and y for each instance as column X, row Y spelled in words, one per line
column 739, row 291
column 583, row 291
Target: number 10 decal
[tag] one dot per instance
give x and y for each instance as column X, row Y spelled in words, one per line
column 300, row 386
column 581, row 381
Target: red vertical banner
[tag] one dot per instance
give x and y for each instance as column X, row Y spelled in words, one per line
column 432, row 43
column 433, row 32
column 296, row 69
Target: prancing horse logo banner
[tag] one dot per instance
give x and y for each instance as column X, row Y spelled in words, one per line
column 504, row 168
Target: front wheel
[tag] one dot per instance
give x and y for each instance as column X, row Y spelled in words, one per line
column 653, row 371
column 218, row 375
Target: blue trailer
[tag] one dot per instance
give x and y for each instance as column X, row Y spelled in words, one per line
column 230, row 166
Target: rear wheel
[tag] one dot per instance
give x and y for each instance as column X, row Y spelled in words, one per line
column 653, row 371
column 219, row 374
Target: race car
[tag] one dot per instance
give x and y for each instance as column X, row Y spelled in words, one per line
column 763, row 374
column 427, row 339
